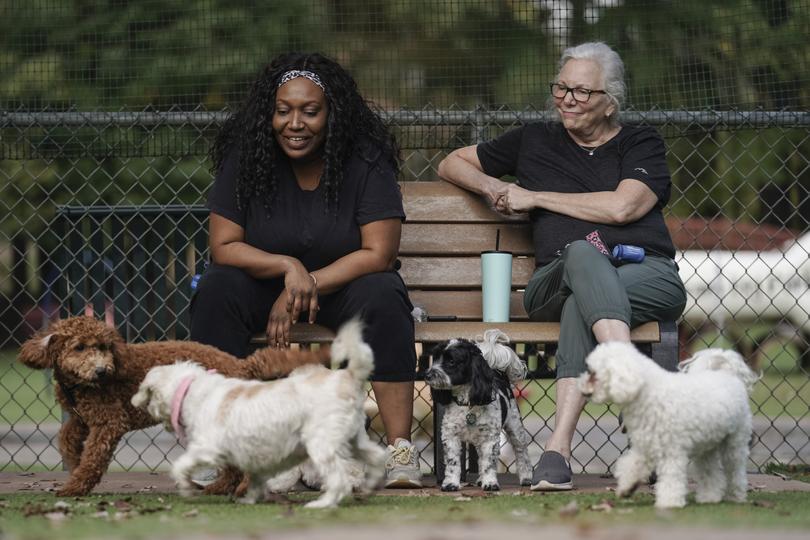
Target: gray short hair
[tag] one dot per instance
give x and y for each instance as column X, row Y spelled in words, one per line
column 612, row 71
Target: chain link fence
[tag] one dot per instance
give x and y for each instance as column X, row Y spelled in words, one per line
column 98, row 114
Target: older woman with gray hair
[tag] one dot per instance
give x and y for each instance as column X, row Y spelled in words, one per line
column 589, row 184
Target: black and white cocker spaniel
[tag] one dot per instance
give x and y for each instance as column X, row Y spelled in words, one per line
column 480, row 402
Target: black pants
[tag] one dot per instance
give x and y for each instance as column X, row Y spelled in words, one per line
column 229, row 306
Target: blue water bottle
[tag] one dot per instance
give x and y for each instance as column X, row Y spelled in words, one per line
column 628, row 253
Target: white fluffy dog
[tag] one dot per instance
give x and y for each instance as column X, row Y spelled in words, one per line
column 267, row 428
column 701, row 414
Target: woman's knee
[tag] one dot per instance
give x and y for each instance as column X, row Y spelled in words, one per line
column 221, row 284
column 581, row 252
column 380, row 293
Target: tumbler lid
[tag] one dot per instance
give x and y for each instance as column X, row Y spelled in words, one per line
column 496, row 251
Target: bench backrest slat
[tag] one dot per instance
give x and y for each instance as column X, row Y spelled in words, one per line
column 442, row 239
column 440, row 202
column 456, row 272
column 461, row 304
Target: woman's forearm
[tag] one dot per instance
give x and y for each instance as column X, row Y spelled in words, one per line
column 378, row 253
column 257, row 263
column 461, row 167
column 348, row 268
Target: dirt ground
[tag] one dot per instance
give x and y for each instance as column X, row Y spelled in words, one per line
column 144, row 482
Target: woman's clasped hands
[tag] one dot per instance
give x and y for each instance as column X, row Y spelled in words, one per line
column 508, row 198
column 300, row 294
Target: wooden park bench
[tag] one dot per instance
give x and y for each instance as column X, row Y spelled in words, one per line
column 136, row 265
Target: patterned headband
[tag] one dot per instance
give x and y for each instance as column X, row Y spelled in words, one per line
column 295, row 73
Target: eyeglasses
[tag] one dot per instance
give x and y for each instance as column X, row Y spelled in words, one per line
column 581, row 95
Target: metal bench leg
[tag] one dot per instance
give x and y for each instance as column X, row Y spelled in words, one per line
column 665, row 353
column 438, row 449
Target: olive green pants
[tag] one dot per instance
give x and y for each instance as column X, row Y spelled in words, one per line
column 582, row 286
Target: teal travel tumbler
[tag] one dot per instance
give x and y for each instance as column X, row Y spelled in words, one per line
column 496, row 285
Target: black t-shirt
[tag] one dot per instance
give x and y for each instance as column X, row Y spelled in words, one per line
column 543, row 157
column 299, row 224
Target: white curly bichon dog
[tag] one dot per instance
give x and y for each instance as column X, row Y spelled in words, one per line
column 267, row 428
column 700, row 414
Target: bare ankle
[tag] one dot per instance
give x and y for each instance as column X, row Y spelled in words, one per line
column 564, row 451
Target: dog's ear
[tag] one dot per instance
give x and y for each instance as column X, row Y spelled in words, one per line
column 148, row 398
column 482, row 378
column 438, row 349
column 118, row 347
column 142, row 397
column 442, row 397
column 37, row 352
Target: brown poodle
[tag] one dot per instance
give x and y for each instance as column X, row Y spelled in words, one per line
column 97, row 374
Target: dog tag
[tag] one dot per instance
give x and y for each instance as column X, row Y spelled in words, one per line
column 471, row 419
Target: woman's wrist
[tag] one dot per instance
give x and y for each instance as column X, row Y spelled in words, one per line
column 314, row 280
column 537, row 199
column 493, row 186
column 291, row 264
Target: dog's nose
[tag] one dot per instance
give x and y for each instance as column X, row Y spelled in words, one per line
column 100, row 372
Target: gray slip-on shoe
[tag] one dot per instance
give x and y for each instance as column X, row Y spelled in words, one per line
column 552, row 473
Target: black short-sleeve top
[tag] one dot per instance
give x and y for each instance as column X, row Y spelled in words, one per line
column 543, row 157
column 299, row 224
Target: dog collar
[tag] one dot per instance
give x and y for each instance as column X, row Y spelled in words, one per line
column 472, row 419
column 177, row 406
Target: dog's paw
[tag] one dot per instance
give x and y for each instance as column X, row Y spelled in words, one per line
column 450, row 487
column 491, row 487
column 72, row 491
column 321, row 502
column 669, row 503
column 625, row 492
column 187, row 488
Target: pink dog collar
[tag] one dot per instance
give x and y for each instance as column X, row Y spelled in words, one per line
column 177, row 406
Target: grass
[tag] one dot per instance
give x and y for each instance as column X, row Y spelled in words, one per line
column 26, row 395
column 29, row 516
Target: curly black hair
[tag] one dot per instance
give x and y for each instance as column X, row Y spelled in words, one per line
column 351, row 120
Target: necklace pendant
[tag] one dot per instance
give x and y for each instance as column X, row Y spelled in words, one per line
column 471, row 419
column 590, row 153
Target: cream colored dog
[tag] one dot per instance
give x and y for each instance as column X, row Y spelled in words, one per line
column 699, row 415
column 267, row 428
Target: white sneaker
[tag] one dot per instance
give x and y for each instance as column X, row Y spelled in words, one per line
column 402, row 466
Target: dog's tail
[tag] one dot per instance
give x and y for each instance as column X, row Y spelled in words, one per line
column 496, row 351
column 270, row 363
column 721, row 360
column 349, row 348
